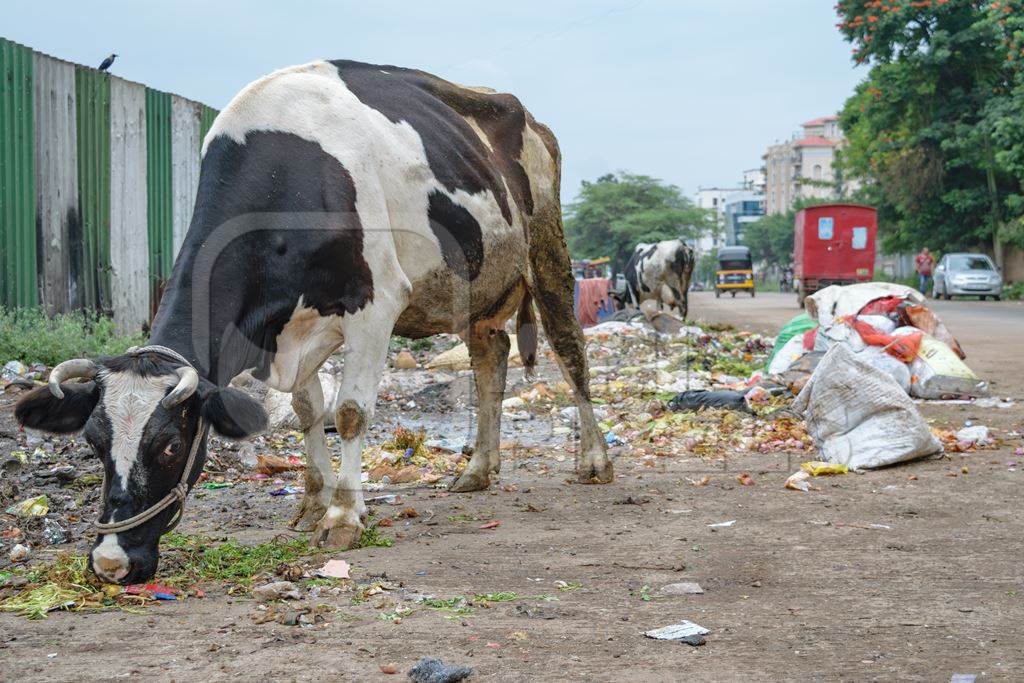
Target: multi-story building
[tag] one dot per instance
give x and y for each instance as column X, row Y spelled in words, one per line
column 741, row 208
column 802, row 168
column 712, row 199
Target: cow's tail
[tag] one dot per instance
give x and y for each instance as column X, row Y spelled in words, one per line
column 526, row 335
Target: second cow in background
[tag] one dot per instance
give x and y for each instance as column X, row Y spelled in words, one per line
column 662, row 272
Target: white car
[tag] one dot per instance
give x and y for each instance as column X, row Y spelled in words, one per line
column 967, row 275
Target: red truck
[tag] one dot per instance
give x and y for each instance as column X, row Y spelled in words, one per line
column 833, row 244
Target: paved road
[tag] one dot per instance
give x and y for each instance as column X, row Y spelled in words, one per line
column 991, row 332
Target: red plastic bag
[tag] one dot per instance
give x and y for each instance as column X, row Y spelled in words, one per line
column 809, row 338
column 904, row 347
column 883, row 306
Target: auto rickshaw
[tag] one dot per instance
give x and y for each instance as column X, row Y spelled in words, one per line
column 735, row 271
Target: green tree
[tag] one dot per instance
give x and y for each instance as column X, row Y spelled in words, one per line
column 928, row 129
column 616, row 211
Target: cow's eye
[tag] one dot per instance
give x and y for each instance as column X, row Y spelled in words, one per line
column 170, row 451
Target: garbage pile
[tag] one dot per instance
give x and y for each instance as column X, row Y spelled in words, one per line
column 886, row 326
column 855, row 359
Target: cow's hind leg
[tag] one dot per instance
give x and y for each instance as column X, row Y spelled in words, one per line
column 553, row 288
column 308, row 403
column 365, row 352
column 488, row 351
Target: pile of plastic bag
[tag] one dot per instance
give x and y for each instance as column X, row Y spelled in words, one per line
column 886, row 326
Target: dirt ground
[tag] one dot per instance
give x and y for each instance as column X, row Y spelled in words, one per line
column 909, row 573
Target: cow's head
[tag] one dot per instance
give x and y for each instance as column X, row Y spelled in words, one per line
column 140, row 413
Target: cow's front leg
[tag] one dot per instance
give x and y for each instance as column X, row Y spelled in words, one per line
column 488, row 351
column 365, row 352
column 308, row 403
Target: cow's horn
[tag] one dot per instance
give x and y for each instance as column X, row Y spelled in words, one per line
column 69, row 369
column 188, row 380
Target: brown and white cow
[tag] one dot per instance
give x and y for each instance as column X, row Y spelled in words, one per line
column 338, row 203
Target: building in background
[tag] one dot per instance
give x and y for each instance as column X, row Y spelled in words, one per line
column 741, row 208
column 753, row 179
column 802, row 168
column 733, row 207
column 712, row 199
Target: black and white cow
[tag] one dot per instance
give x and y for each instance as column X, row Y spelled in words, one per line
column 338, row 203
column 660, row 271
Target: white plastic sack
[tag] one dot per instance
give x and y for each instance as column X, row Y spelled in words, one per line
column 876, row 357
column 859, row 416
column 790, row 353
column 828, row 337
column 828, row 304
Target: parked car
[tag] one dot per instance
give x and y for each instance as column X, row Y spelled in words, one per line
column 967, row 275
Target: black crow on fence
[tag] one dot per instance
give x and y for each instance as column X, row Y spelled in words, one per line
column 108, row 62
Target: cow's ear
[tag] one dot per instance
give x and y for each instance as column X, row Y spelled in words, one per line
column 232, row 413
column 40, row 409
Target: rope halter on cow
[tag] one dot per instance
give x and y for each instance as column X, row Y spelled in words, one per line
column 188, row 381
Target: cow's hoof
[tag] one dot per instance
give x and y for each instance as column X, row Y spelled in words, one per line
column 496, row 466
column 470, row 481
column 596, row 473
column 338, row 537
column 309, row 514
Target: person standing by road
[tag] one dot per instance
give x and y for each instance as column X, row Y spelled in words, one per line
column 924, row 262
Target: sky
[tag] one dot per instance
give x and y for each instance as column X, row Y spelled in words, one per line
column 688, row 91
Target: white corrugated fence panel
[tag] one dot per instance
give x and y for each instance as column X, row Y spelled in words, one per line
column 129, row 241
column 184, row 163
column 56, row 156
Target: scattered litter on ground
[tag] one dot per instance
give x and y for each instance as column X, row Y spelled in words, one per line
column 977, row 435
column 274, row 464
column 694, row 400
column 276, row 590
column 405, row 361
column 685, row 632
column 334, row 569
column 819, row 469
column 722, row 525
column 36, row 506
column 682, row 588
column 430, row 670
column 798, row 481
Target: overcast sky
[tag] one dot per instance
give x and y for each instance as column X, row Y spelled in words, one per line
column 690, row 91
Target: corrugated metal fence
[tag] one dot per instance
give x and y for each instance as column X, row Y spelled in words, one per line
column 98, row 177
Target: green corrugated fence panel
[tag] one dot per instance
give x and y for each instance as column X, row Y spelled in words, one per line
column 159, row 191
column 90, row 260
column 206, row 122
column 18, row 253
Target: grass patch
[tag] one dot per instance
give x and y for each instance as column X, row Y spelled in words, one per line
column 398, row 343
column 373, row 538
column 463, row 518
column 29, row 335
column 456, row 605
column 503, row 596
column 197, row 558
